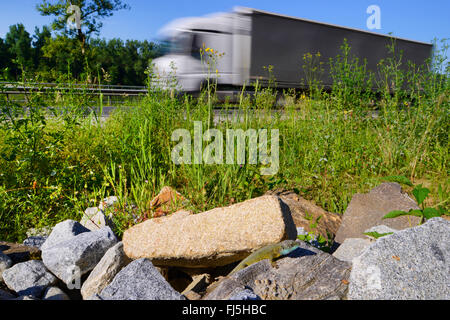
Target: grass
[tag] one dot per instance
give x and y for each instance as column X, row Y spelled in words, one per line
column 331, row 147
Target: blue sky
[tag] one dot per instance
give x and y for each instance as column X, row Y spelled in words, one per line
column 412, row 19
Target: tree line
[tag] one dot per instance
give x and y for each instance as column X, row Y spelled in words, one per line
column 45, row 57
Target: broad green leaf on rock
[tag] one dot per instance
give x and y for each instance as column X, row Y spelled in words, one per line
column 395, row 214
column 377, row 235
column 420, row 194
column 431, row 213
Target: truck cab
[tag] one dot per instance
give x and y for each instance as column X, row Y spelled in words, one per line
column 228, row 34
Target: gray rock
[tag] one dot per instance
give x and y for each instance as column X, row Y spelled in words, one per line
column 5, row 295
column 140, row 281
column 367, row 210
column 104, row 272
column 35, row 241
column 108, row 202
column 305, row 274
column 5, row 263
column 28, row 278
column 94, row 219
column 412, row 264
column 245, row 294
column 55, row 293
column 351, row 248
column 63, row 231
column 71, row 259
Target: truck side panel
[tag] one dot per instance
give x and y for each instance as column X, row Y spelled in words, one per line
column 282, row 42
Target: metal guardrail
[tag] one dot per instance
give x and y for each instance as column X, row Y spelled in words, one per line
column 14, row 88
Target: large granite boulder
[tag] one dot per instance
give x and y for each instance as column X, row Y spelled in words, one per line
column 29, row 278
column 410, row 264
column 139, row 280
column 305, row 274
column 367, row 210
column 71, row 259
column 213, row 238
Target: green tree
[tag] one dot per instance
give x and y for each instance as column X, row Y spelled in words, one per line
column 64, row 56
column 91, row 12
column 40, row 39
column 5, row 59
column 18, row 41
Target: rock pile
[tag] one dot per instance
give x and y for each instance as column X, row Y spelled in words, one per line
column 189, row 257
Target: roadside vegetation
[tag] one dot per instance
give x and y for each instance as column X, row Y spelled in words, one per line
column 58, row 157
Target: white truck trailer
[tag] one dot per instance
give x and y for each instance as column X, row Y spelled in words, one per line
column 253, row 39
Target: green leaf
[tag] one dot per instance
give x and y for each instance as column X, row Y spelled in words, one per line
column 377, row 235
column 399, row 213
column 420, row 194
column 431, row 213
column 395, row 214
column 399, row 179
column 416, row 213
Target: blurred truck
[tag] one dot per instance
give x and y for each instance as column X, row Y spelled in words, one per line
column 252, row 40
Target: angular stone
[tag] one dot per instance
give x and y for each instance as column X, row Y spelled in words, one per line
column 35, row 241
column 244, row 295
column 63, row 231
column 28, row 278
column 305, row 274
column 214, row 238
column 71, row 259
column 55, row 293
column 104, row 272
column 19, row 252
column 305, row 212
column 412, row 264
column 5, row 263
column 167, row 201
column 108, row 202
column 367, row 210
column 351, row 248
column 94, row 219
column 139, row 281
